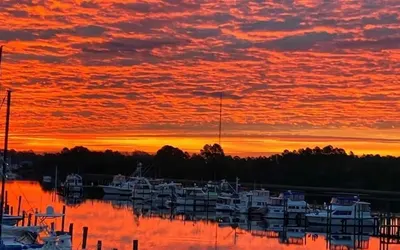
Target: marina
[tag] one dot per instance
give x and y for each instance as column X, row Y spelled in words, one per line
column 124, row 220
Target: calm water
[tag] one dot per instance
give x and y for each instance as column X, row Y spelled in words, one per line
column 116, row 223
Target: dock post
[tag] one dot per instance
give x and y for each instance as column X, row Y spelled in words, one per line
column 11, row 210
column 19, row 204
column 6, row 199
column 84, row 237
column 52, row 226
column 7, row 209
column 36, row 220
column 23, row 218
column 135, row 245
column 63, row 219
column 99, row 245
column 71, row 230
column 29, row 220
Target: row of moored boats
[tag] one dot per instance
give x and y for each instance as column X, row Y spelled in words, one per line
column 222, row 197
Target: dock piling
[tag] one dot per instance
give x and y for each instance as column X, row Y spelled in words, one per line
column 84, row 237
column 23, row 218
column 71, row 230
column 19, row 205
column 63, row 219
column 135, row 245
column 99, row 245
column 29, row 220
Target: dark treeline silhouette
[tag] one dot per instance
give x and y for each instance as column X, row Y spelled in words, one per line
column 320, row 167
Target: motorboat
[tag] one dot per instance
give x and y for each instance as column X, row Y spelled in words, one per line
column 254, row 201
column 288, row 204
column 196, row 196
column 345, row 211
column 73, row 183
column 141, row 189
column 119, row 186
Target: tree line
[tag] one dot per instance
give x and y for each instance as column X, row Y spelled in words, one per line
column 321, row 167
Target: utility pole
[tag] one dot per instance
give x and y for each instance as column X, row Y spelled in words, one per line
column 3, row 179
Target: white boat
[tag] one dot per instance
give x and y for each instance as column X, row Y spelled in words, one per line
column 73, row 183
column 195, row 196
column 246, row 202
column 119, row 186
column 291, row 203
column 141, row 189
column 349, row 211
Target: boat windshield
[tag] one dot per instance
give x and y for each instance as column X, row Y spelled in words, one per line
column 344, row 201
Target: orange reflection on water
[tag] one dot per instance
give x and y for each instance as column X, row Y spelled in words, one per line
column 117, row 226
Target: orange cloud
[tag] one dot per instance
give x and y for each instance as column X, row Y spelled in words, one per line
column 106, row 68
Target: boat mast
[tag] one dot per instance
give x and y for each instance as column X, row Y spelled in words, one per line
column 3, row 177
column 220, row 119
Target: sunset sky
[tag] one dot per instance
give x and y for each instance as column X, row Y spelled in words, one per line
column 136, row 75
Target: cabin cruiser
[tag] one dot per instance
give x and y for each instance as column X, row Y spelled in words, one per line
column 73, row 183
column 119, row 186
column 141, row 189
column 245, row 202
column 165, row 192
column 343, row 211
column 289, row 202
column 195, row 196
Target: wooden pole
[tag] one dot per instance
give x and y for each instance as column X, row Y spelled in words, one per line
column 63, row 219
column 29, row 220
column 36, row 218
column 135, row 245
column 99, row 245
column 84, row 237
column 23, row 218
column 71, row 230
column 19, row 204
column 6, row 199
column 11, row 210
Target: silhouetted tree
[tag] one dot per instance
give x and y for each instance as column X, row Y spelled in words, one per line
column 327, row 166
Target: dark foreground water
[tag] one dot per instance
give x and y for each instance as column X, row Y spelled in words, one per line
column 117, row 223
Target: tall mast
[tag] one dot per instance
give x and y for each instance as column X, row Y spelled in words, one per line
column 220, row 120
column 3, row 177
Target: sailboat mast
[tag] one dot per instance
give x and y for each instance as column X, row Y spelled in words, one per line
column 220, row 120
column 3, row 177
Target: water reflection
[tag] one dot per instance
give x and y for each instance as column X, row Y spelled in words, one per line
column 117, row 222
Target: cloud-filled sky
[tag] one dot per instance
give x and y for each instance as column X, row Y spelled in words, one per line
column 136, row 75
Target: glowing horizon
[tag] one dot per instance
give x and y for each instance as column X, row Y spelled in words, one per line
column 138, row 75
